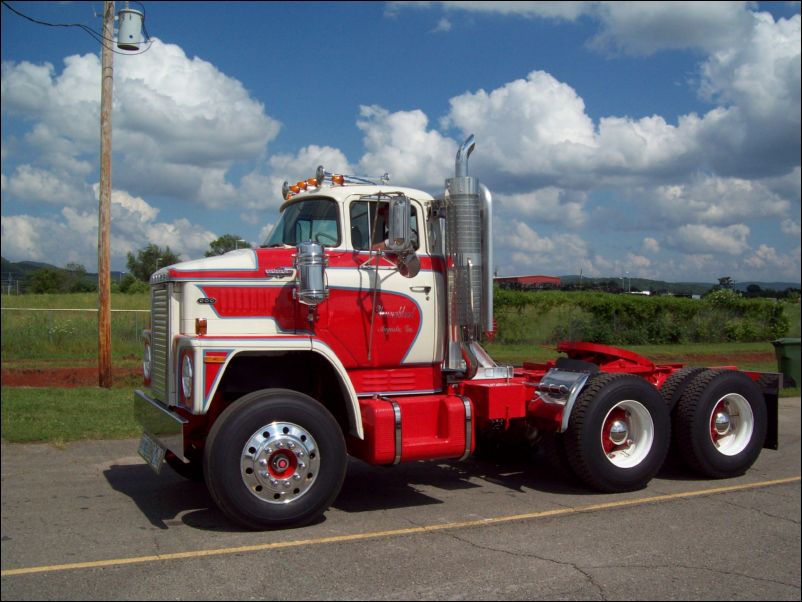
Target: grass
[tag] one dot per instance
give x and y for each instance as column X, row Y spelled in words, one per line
column 48, row 334
column 62, row 415
column 75, row 301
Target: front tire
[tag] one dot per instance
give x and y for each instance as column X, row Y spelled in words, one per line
column 275, row 459
column 619, row 433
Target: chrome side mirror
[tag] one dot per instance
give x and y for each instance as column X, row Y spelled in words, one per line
column 399, row 232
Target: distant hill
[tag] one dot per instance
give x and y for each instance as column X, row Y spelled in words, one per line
column 676, row 288
column 771, row 286
column 21, row 272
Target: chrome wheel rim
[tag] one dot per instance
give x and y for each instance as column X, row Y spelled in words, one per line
column 731, row 424
column 280, row 462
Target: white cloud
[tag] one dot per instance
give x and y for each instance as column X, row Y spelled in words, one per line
column 702, row 239
column 791, row 227
column 767, row 257
column 552, row 10
column 532, row 126
column 756, row 132
column 525, row 251
column 635, row 28
column 71, row 235
column 400, row 144
column 179, row 123
column 643, row 28
column 650, row 245
column 548, row 205
column 714, row 200
column 304, row 163
column 33, row 184
column 21, row 237
column 761, row 74
column 443, row 25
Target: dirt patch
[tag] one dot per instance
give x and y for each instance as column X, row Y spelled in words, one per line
column 83, row 376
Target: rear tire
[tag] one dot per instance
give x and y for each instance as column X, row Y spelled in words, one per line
column 618, row 434
column 720, row 423
column 675, row 385
column 274, row 459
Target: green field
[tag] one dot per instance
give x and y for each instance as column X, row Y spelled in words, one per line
column 58, row 416
column 64, row 327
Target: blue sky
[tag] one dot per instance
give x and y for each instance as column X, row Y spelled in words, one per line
column 660, row 140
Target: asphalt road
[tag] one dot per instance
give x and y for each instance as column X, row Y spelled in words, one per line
column 92, row 522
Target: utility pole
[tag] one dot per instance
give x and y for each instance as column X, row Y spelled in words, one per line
column 104, row 210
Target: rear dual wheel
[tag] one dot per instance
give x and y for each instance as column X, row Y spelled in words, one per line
column 720, row 423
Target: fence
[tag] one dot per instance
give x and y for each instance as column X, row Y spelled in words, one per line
column 33, row 333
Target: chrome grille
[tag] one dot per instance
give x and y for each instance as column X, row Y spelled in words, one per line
column 160, row 340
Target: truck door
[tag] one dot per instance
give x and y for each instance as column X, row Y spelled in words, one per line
column 395, row 323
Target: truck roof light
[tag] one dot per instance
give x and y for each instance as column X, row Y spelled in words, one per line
column 340, row 180
column 312, row 182
column 295, row 188
column 301, row 185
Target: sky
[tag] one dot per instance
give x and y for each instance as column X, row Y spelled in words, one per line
column 653, row 140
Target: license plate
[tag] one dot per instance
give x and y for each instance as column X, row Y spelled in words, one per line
column 151, row 452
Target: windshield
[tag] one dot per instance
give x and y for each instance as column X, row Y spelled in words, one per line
column 316, row 220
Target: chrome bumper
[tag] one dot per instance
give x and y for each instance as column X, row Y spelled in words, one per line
column 166, row 427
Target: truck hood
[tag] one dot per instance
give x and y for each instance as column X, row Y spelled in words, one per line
column 239, row 261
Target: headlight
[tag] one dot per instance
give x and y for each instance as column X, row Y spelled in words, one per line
column 186, row 377
column 147, row 362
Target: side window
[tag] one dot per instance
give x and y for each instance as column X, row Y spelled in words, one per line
column 368, row 227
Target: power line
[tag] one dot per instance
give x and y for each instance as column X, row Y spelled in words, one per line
column 97, row 36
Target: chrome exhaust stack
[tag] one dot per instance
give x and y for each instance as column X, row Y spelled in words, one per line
column 468, row 207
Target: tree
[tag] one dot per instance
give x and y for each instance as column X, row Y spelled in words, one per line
column 76, row 281
column 226, row 243
column 726, row 282
column 48, row 280
column 149, row 260
column 754, row 290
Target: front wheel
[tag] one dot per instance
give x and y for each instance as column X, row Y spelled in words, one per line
column 275, row 459
column 619, row 433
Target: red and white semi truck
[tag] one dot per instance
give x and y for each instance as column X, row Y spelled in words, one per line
column 355, row 330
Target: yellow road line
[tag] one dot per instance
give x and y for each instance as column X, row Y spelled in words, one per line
column 395, row 532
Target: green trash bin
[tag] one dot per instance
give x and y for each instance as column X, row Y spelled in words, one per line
column 788, row 360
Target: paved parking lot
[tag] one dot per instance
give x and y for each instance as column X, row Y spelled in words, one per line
column 92, row 522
